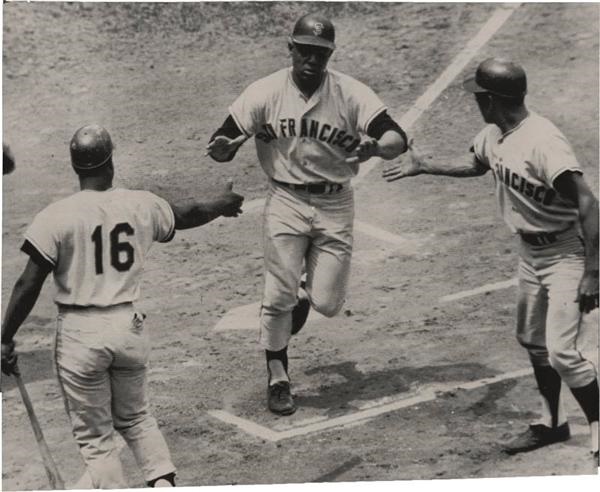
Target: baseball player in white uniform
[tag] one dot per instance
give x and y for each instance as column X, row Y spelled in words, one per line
column 312, row 127
column 546, row 202
column 95, row 243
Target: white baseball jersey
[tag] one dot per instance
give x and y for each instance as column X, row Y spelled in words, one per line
column 97, row 242
column 525, row 161
column 306, row 141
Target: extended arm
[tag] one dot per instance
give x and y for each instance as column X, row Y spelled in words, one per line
column 416, row 163
column 385, row 139
column 225, row 142
column 572, row 186
column 227, row 204
column 24, row 296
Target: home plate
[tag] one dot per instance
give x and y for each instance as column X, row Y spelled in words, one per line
column 247, row 317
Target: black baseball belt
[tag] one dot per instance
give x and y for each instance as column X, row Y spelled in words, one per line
column 316, row 188
column 541, row 238
column 66, row 308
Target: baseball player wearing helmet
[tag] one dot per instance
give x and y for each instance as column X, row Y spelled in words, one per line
column 312, row 127
column 95, row 243
column 546, row 202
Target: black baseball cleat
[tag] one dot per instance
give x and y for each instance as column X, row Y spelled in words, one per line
column 537, row 436
column 596, row 458
column 300, row 314
column 280, row 398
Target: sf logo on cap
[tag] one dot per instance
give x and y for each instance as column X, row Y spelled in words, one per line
column 318, row 29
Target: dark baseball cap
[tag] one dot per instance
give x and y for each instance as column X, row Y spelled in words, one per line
column 498, row 76
column 315, row 30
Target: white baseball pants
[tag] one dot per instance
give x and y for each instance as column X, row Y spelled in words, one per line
column 101, row 356
column 548, row 318
column 304, row 231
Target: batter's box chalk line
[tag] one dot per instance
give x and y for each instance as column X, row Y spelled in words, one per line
column 235, row 319
column 368, row 412
column 246, row 317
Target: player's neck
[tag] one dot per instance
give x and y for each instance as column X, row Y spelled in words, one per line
column 307, row 87
column 510, row 120
column 95, row 183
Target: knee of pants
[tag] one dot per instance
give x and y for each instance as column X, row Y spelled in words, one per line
column 329, row 308
column 538, row 356
column 280, row 303
column 559, row 362
column 123, row 423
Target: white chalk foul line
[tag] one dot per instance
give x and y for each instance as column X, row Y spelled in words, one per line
column 301, row 429
column 480, row 290
column 246, row 317
column 381, row 234
column 498, row 18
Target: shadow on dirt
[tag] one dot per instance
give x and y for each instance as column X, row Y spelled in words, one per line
column 344, row 467
column 379, row 384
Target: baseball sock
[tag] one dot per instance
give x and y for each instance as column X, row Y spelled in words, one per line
column 587, row 397
column 549, row 384
column 277, row 365
column 169, row 478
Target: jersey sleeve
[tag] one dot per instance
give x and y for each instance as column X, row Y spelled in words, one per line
column 554, row 155
column 163, row 218
column 479, row 147
column 42, row 238
column 247, row 110
column 368, row 105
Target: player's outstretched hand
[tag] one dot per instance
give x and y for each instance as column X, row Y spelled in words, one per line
column 9, row 359
column 410, row 164
column 368, row 147
column 232, row 202
column 222, row 147
column 587, row 294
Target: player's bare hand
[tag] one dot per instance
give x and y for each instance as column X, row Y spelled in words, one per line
column 222, row 147
column 368, row 147
column 9, row 359
column 410, row 164
column 232, row 202
column 587, row 294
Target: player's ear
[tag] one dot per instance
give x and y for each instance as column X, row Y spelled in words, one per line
column 290, row 46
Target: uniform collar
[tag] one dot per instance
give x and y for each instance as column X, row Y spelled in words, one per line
column 514, row 129
column 315, row 95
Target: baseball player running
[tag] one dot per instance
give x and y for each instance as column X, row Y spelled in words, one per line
column 546, row 202
column 95, row 243
column 312, row 127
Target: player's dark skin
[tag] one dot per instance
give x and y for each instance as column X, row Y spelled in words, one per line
column 27, row 288
column 571, row 185
column 308, row 66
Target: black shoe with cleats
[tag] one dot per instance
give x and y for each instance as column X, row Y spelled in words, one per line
column 280, row 399
column 537, row 436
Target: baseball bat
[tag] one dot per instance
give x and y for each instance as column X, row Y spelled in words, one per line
column 56, row 482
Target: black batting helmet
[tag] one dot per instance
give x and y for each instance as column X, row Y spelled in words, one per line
column 313, row 29
column 498, row 76
column 91, row 148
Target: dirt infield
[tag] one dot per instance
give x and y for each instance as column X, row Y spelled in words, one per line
column 160, row 77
